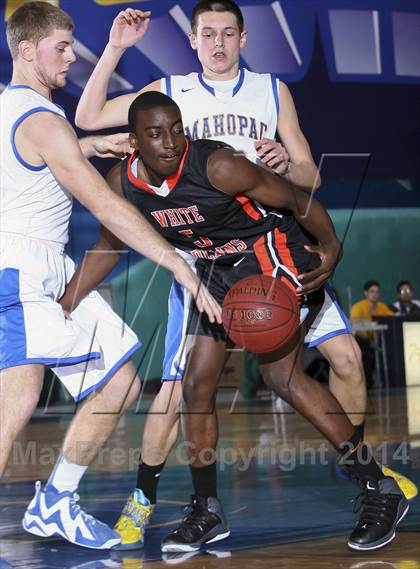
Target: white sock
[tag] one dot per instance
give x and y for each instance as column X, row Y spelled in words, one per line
column 66, row 475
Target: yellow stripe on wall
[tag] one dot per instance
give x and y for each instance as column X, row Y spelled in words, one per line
column 12, row 5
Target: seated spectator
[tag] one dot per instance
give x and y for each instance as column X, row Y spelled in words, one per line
column 370, row 306
column 406, row 305
column 363, row 311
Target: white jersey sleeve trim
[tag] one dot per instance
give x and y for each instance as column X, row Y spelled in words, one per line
column 18, row 122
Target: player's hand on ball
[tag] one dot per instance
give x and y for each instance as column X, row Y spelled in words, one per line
column 330, row 255
column 128, row 28
column 203, row 299
column 112, row 146
column 274, row 155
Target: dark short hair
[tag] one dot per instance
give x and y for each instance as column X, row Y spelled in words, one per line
column 369, row 284
column 35, row 21
column 216, row 6
column 145, row 102
column 402, row 283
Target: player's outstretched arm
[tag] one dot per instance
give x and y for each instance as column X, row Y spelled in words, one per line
column 292, row 158
column 61, row 152
column 109, row 146
column 234, row 174
column 99, row 261
column 94, row 111
column 94, row 268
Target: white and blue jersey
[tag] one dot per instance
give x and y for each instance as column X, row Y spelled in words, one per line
column 33, row 203
column 34, row 270
column 238, row 112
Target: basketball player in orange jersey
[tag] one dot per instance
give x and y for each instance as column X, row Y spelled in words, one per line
column 218, row 36
column 218, row 206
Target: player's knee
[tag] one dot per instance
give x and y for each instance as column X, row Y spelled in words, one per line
column 196, row 392
column 356, row 354
column 118, row 394
column 348, row 364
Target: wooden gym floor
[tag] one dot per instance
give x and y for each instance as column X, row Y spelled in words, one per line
column 286, row 504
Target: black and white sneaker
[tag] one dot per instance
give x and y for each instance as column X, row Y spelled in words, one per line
column 205, row 522
column 384, row 506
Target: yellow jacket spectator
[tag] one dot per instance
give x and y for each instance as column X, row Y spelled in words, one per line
column 371, row 306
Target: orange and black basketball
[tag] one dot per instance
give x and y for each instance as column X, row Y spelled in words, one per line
column 260, row 313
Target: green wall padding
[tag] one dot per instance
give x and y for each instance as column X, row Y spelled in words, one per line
column 142, row 302
column 381, row 244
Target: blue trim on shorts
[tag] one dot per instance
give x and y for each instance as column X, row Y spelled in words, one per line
column 54, row 362
column 178, row 377
column 110, row 373
column 339, row 332
column 12, row 319
column 13, row 132
column 173, row 338
column 275, row 92
column 327, row 337
column 346, row 321
column 73, row 360
column 168, row 86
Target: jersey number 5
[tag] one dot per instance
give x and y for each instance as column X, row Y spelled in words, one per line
column 200, row 242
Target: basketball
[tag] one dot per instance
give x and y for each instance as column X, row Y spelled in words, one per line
column 260, row 314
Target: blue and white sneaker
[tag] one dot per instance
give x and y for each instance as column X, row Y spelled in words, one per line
column 53, row 513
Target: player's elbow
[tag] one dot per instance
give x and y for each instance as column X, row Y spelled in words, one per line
column 85, row 120
column 81, row 120
column 312, row 181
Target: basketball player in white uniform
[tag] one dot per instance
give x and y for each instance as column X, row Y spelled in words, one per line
column 42, row 166
column 245, row 110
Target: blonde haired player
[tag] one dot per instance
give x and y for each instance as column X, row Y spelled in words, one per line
column 42, row 166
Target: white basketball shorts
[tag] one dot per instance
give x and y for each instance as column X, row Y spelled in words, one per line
column 84, row 352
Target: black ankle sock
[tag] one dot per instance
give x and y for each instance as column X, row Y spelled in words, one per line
column 148, row 479
column 351, row 444
column 205, row 480
column 361, row 430
column 357, row 458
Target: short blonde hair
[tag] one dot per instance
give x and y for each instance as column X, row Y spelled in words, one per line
column 35, row 21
